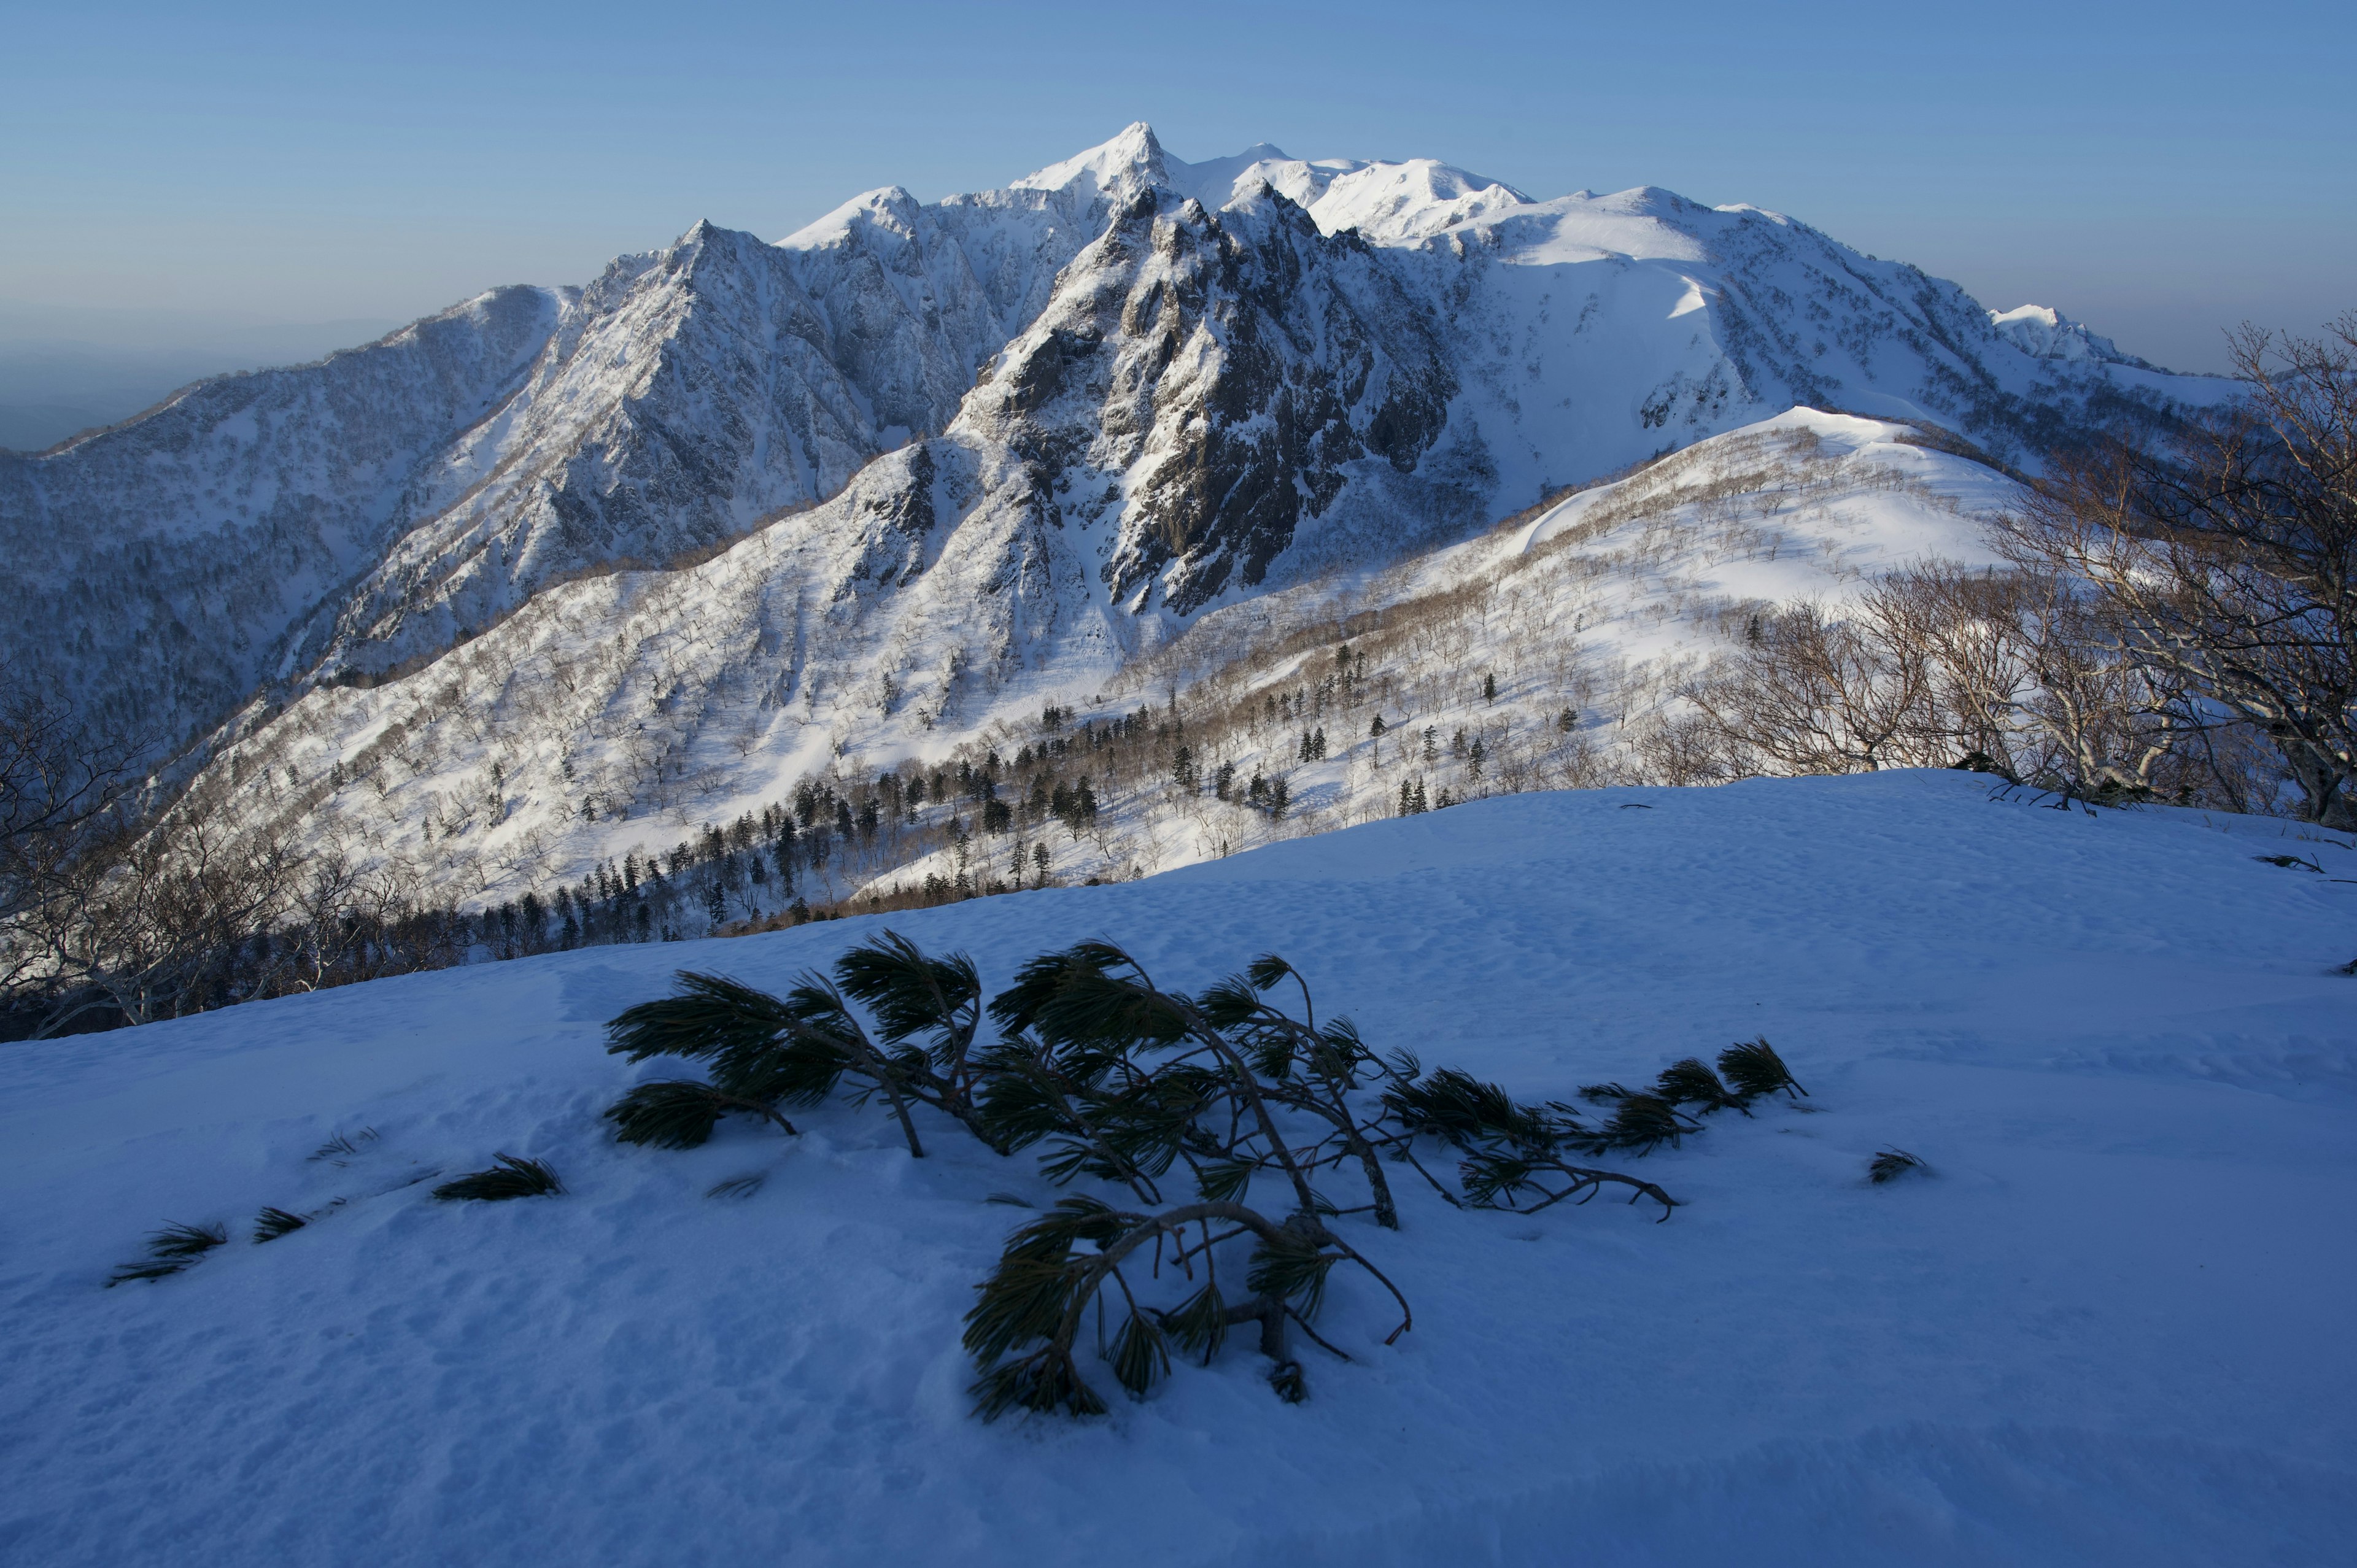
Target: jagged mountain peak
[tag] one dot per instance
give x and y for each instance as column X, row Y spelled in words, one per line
column 1387, row 201
column 1114, row 169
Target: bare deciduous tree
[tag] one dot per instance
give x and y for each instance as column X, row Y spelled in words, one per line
column 2224, row 564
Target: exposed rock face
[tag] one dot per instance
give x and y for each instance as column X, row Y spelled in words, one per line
column 1212, row 382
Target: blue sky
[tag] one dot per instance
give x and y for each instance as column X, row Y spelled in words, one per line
column 2160, row 170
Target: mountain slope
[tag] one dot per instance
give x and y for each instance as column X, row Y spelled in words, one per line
column 934, row 604
column 1115, row 395
column 150, row 570
column 2107, row 1327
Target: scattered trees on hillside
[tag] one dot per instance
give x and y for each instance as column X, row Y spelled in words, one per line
column 2176, row 620
column 2222, row 567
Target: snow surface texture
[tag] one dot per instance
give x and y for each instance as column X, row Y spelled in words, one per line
column 622, row 712
column 2109, row 1326
column 1195, row 381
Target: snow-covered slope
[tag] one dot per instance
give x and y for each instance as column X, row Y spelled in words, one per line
column 623, row 711
column 150, row 571
column 2109, row 1326
column 1119, row 393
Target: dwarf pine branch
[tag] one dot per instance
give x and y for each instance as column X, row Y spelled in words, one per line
column 766, row 1050
column 272, row 1223
column 169, row 1250
column 1512, row 1153
column 1112, row 1079
column 1038, row 1297
column 1756, row 1070
column 1889, row 1164
column 508, row 1177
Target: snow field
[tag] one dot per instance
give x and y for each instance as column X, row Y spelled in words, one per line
column 2109, row 1326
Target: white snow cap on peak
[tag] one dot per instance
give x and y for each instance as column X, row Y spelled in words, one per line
column 1390, row 202
column 2044, row 333
column 1387, row 202
column 1130, row 160
column 890, row 203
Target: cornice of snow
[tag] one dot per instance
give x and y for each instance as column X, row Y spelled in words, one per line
column 2045, row 333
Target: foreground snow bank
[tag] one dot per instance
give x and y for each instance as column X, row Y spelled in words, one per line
column 2109, row 1327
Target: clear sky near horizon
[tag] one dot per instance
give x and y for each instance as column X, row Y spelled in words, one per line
column 2160, row 170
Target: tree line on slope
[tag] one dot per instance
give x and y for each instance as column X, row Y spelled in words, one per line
column 2174, row 622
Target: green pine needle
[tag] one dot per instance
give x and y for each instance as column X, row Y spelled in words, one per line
column 1294, row 1270
column 1224, row 1181
column 911, row 994
column 1756, row 1070
column 1691, row 1082
column 1141, row 1356
column 169, row 1250
column 341, row 1148
column 1641, row 1123
column 1199, row 1323
column 672, row 1113
column 1892, row 1164
column 273, row 1223
column 511, row 1177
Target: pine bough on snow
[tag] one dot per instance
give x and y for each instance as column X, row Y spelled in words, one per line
column 510, row 1178
column 169, row 1250
column 1119, row 1081
column 1183, row 1100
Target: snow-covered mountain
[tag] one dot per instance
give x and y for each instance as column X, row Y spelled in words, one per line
column 996, row 440
column 617, row 713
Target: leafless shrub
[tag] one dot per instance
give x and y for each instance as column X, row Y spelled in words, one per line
column 2223, row 566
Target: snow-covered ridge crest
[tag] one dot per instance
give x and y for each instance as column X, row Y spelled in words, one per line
column 1386, row 202
column 2047, row 334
